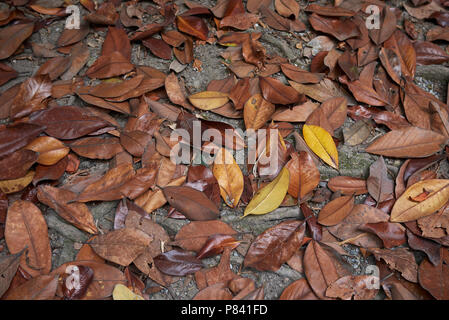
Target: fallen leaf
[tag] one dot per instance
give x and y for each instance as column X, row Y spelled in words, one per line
column 269, row 198
column 275, row 246
column 27, row 228
column 321, row 143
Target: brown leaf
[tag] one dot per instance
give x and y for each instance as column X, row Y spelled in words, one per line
column 218, row 291
column 103, row 283
column 193, row 25
column 405, row 52
column 118, row 183
column 430, row 248
column 194, row 235
column 192, row 203
column 11, row 38
column 287, row 8
column 257, row 112
column 276, row 92
column 339, row 28
column 392, row 234
column 26, row 228
column 241, row 21
column 299, row 75
column 77, row 214
column 349, row 227
column 8, row 267
column 175, row 92
column 50, row 150
column 116, row 40
column 400, row 259
column 319, row 269
column 387, row 26
column 280, row 23
column 177, row 263
column 298, row 290
column 31, row 97
column 429, row 53
column 158, row 47
column 96, row 147
column 409, row 142
column 42, row 287
column 348, row 185
column 71, row 36
column 359, row 287
column 323, row 91
column 135, row 141
column 17, row 164
column 434, row 278
column 334, row 112
column 379, row 185
column 304, row 175
column 336, row 210
column 275, row 246
column 110, row 65
column 86, row 276
column 121, row 246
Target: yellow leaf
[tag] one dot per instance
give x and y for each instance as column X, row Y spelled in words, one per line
column 271, row 196
column 122, row 292
column 229, row 177
column 208, row 100
column 321, row 143
column 50, row 150
column 405, row 209
column 15, row 185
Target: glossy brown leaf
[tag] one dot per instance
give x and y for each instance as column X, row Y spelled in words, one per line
column 348, row 185
column 31, row 97
column 193, row 25
column 429, row 53
column 26, row 227
column 191, row 203
column 177, row 263
column 86, row 276
column 103, row 283
column 392, row 234
column 275, row 245
column 215, row 244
